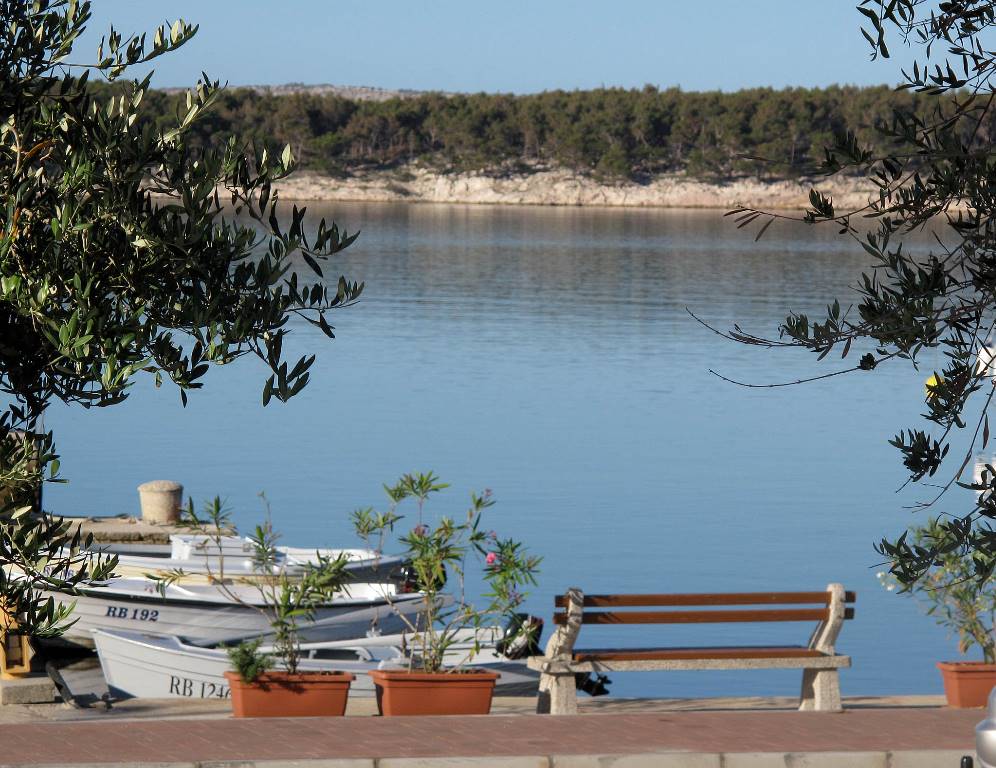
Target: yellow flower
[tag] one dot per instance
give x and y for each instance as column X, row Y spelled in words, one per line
column 931, row 384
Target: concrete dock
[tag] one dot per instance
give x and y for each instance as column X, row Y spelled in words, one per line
column 125, row 529
column 872, row 732
column 881, row 732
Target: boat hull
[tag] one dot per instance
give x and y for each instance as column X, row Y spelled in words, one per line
column 144, row 666
column 210, row 623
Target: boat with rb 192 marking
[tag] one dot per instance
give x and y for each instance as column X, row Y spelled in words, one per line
column 206, row 614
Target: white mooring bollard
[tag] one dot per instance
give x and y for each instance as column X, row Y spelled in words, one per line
column 161, row 501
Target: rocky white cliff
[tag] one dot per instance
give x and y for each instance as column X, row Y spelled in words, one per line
column 562, row 187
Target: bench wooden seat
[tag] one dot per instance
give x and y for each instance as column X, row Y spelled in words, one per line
column 697, row 654
column 818, row 659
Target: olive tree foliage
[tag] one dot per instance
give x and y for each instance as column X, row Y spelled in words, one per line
column 937, row 174
column 124, row 250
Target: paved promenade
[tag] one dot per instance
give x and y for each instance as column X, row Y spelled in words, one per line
column 924, row 737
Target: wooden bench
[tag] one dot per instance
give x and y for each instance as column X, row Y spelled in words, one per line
column 817, row 660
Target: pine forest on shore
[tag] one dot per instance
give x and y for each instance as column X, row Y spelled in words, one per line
column 608, row 134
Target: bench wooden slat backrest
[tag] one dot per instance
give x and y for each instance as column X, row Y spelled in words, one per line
column 707, row 598
column 829, row 618
column 701, row 617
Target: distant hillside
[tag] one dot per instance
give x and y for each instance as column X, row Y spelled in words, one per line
column 606, row 134
column 350, row 92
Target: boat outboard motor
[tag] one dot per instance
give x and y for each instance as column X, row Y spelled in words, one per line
column 592, row 683
column 407, row 580
column 985, row 736
column 521, row 637
column 404, row 579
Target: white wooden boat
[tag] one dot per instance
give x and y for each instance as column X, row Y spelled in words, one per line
column 198, row 608
column 206, row 614
column 201, row 557
column 146, row 666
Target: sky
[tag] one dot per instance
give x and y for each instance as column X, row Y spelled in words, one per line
column 517, row 46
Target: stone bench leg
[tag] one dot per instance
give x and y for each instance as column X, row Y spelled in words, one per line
column 820, row 691
column 557, row 695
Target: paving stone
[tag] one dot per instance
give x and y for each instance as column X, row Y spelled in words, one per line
column 839, row 760
column 113, row 765
column 754, row 760
column 650, row 760
column 463, row 762
column 337, row 762
column 33, row 689
column 940, row 758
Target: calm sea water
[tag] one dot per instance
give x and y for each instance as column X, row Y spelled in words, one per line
column 547, row 354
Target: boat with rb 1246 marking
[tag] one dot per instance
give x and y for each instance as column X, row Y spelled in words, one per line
column 144, row 666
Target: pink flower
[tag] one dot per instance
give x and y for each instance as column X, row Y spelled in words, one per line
column 491, row 558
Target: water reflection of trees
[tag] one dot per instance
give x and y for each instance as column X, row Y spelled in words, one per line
column 577, row 263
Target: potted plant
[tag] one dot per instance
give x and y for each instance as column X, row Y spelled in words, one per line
column 260, row 691
column 434, row 682
column 272, row 685
column 953, row 593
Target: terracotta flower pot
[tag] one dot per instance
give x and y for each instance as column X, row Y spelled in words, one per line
column 967, row 683
column 279, row 694
column 400, row 692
